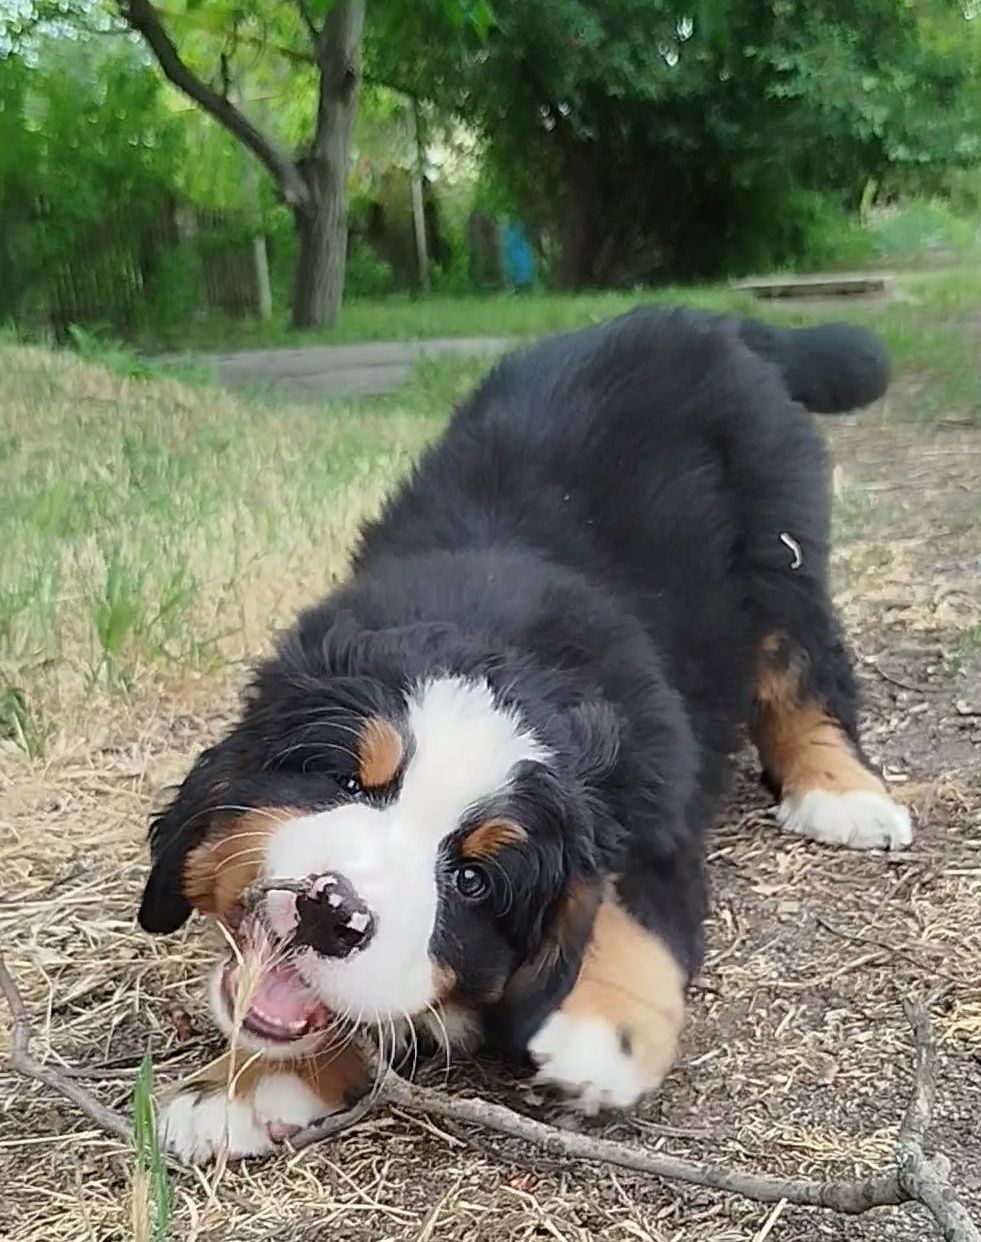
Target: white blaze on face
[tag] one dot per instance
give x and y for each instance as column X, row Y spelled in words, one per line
column 463, row 749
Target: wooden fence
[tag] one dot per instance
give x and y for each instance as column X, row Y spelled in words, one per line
column 185, row 262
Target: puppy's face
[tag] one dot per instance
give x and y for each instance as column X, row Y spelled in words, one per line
column 374, row 854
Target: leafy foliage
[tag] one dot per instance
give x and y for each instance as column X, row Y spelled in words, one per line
column 647, row 138
column 87, row 147
column 640, row 140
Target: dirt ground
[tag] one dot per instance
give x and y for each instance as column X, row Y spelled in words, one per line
column 797, row 1057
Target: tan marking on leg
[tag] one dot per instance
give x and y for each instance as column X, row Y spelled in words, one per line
column 243, row 1105
column 490, row 837
column 631, row 980
column 337, row 1074
column 380, row 753
column 807, row 749
column 801, row 745
column 230, row 858
column 827, row 793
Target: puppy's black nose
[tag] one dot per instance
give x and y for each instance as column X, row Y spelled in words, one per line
column 331, row 917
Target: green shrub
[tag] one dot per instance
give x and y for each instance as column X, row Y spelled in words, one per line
column 784, row 227
column 909, row 228
column 175, row 292
column 368, row 276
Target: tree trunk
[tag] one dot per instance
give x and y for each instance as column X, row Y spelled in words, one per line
column 418, row 205
column 253, row 207
column 578, row 222
column 322, row 220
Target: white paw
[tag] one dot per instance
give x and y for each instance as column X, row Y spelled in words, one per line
column 587, row 1059
column 861, row 819
column 197, row 1126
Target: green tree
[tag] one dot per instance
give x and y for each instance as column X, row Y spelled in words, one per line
column 87, row 149
column 660, row 138
column 312, row 183
column 311, row 38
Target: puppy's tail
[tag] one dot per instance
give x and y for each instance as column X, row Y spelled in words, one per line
column 830, row 369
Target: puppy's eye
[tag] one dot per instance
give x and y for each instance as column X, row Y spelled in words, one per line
column 471, row 882
column 351, row 785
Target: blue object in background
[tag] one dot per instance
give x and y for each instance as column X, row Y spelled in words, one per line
column 517, row 258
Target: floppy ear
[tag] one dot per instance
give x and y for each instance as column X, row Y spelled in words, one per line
column 541, row 983
column 174, row 832
column 559, row 901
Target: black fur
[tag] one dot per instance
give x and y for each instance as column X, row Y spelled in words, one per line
column 830, row 368
column 598, row 534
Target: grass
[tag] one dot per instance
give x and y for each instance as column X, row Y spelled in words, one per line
column 121, row 360
column 148, row 524
column 900, row 240
column 151, row 1191
column 404, row 318
column 924, row 327
column 154, row 525
column 918, row 231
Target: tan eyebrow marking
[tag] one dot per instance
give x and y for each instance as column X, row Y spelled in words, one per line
column 490, row 837
column 380, row 753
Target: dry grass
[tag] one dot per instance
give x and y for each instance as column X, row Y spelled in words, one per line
column 150, row 526
column 797, row 1056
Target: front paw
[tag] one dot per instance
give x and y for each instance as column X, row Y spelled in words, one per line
column 198, row 1125
column 590, row 1061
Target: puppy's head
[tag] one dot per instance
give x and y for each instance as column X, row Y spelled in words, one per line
column 375, row 848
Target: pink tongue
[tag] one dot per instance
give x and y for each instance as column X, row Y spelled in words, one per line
column 282, row 996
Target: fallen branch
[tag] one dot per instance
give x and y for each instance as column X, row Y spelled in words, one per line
column 848, row 1196
column 924, row 1179
column 916, row 1177
column 24, row 1062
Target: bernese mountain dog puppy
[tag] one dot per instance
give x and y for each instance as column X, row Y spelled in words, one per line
column 471, row 789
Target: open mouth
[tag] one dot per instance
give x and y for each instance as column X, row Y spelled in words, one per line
column 271, row 1000
column 260, row 986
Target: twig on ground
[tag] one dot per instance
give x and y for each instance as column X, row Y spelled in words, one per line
column 915, row 1178
column 894, row 680
column 908, row 953
column 926, row 1179
column 848, row 1196
column 22, row 1060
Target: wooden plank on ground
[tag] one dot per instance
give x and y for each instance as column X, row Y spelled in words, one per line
column 837, row 285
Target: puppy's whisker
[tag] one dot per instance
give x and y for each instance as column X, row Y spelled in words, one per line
column 245, row 835
column 207, row 811
column 443, row 1038
column 253, row 851
column 413, row 1035
column 237, row 808
column 326, row 749
column 381, row 1064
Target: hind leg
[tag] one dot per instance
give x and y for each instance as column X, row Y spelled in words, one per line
column 805, row 731
column 803, row 717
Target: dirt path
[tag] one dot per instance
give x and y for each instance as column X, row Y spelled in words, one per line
column 316, row 372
